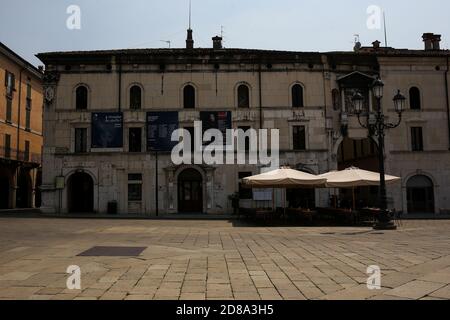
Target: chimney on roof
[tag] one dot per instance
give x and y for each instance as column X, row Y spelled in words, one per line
column 376, row 44
column 217, row 43
column 190, row 39
column 432, row 41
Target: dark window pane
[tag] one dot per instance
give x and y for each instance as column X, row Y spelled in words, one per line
column 27, row 118
column 297, row 96
column 414, row 98
column 134, row 192
column 80, row 140
column 27, row 151
column 135, row 98
column 8, row 109
column 7, row 146
column 9, row 83
column 28, row 91
column 243, row 97
column 82, row 98
column 189, row 97
column 244, row 193
column 299, row 137
column 416, row 139
column 135, row 139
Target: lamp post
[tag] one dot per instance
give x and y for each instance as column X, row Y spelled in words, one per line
column 377, row 125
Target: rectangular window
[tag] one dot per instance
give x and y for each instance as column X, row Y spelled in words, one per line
column 244, row 193
column 9, row 83
column 191, row 132
column 7, row 146
column 8, row 109
column 26, row 154
column 80, row 140
column 247, row 139
column 299, row 137
column 29, row 91
column 135, row 139
column 135, row 187
column 28, row 118
column 28, row 109
column 416, row 139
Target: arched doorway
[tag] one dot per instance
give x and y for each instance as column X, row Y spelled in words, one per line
column 80, row 193
column 24, row 191
column 190, row 191
column 4, row 192
column 420, row 194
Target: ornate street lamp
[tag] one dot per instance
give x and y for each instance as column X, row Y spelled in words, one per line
column 376, row 124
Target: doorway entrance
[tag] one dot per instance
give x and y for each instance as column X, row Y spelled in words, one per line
column 420, row 195
column 24, row 191
column 190, row 191
column 4, row 192
column 80, row 193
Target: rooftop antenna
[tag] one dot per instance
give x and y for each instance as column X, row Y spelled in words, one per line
column 167, row 41
column 190, row 39
column 190, row 13
column 385, row 31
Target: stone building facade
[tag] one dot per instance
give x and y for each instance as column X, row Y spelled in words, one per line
column 21, row 141
column 306, row 95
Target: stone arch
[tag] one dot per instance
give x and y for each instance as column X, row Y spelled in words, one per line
column 80, row 192
column 420, row 193
column 190, row 188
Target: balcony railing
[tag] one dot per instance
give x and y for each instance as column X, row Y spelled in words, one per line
column 22, row 156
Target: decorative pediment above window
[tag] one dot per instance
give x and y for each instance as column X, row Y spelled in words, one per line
column 356, row 80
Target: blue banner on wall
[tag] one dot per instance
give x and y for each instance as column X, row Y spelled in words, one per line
column 160, row 126
column 107, row 130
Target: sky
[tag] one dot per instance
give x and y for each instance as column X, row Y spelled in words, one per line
column 32, row 26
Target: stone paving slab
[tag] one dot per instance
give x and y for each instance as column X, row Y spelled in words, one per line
column 198, row 260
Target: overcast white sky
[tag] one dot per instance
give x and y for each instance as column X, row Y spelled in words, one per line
column 32, row 26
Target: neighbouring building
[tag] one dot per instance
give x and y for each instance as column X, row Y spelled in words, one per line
column 21, row 104
column 106, row 110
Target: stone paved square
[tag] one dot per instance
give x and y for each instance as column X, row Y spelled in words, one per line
column 192, row 259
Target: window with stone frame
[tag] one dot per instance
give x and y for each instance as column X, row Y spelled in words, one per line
column 135, row 139
column 80, row 140
column 297, row 96
column 135, row 97
column 416, row 139
column 135, row 187
column 243, row 96
column 299, row 138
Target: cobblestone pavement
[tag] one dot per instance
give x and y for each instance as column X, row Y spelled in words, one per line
column 222, row 260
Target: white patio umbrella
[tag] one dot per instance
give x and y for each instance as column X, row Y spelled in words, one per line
column 284, row 178
column 354, row 177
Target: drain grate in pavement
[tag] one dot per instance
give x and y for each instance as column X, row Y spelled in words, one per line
column 113, row 252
